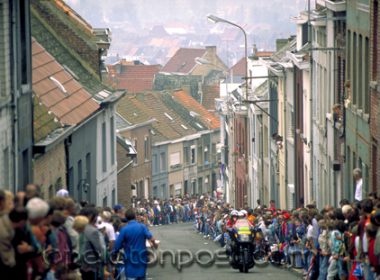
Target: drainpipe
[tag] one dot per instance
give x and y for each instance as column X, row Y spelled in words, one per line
column 14, row 100
column 74, row 191
column 311, row 103
column 295, row 195
column 285, row 140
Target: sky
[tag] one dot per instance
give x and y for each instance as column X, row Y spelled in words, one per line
column 131, row 20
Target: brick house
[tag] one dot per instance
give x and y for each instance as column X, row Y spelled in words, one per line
column 133, row 77
column 183, row 137
column 134, row 168
column 190, row 69
column 91, row 149
column 61, row 103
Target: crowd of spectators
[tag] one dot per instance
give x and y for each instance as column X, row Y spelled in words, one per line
column 50, row 239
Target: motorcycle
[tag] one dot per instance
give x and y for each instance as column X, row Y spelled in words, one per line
column 242, row 249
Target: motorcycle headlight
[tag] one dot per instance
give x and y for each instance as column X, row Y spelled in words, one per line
column 244, row 237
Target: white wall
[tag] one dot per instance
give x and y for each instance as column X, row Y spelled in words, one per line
column 106, row 181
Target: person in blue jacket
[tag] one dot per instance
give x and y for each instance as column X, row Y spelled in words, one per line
column 133, row 238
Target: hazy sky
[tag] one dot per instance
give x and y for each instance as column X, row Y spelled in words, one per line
column 264, row 20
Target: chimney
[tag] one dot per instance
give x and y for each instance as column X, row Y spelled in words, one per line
column 211, row 49
column 254, row 51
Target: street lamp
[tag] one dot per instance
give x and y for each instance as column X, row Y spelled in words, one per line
column 215, row 19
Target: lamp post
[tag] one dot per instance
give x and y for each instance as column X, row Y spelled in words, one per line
column 215, row 19
column 203, row 61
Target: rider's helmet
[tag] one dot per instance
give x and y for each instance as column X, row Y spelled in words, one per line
column 245, row 213
column 234, row 213
column 241, row 214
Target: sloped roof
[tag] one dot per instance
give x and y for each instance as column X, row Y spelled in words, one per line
column 57, row 90
column 264, row 54
column 55, row 45
column 43, row 122
column 208, row 118
column 290, row 46
column 183, row 61
column 133, row 78
column 176, row 115
column 239, row 68
column 136, row 110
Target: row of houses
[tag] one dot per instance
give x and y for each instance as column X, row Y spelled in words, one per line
column 107, row 134
column 58, row 118
column 298, row 135
column 168, row 127
column 111, row 133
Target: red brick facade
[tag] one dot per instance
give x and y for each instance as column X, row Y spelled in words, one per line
column 78, row 42
column 241, row 162
column 138, row 172
column 50, row 171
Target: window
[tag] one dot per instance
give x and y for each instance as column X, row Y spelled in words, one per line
column 70, row 186
column 163, row 191
column 155, row 164
column 359, row 89
column 24, row 42
column 135, row 146
column 105, row 201
column 88, row 167
column 200, row 155
column 6, row 165
column 175, row 159
column 162, row 162
column 3, row 92
column 349, row 55
column 200, row 185
column 112, row 134
column 354, row 70
column 113, row 197
column 80, row 173
column 375, row 34
column 178, row 189
column 186, row 186
column 206, row 155
column 366, row 76
column 146, row 148
column 193, row 156
column 25, row 168
column 104, row 147
column 140, row 189
column 194, row 186
column 186, row 154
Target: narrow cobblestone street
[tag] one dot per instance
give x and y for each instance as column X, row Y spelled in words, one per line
column 181, row 238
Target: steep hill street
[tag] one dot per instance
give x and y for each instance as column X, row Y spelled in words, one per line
column 182, row 238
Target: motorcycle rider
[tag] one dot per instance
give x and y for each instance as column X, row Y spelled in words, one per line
column 229, row 228
column 241, row 226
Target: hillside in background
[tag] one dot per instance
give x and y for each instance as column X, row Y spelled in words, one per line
column 131, row 22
